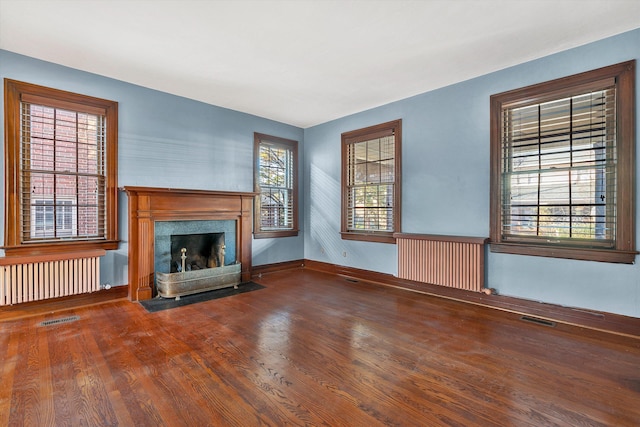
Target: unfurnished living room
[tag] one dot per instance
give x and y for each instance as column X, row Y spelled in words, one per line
column 319, row 212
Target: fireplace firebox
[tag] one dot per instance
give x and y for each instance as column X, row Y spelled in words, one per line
column 197, row 251
column 196, row 260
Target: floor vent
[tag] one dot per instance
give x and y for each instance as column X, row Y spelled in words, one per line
column 61, row 320
column 351, row 280
column 538, row 321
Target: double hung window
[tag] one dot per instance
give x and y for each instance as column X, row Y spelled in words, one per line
column 371, row 182
column 61, row 169
column 562, row 167
column 276, row 181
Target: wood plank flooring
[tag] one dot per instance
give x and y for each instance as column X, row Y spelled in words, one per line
column 34, row 308
column 313, row 349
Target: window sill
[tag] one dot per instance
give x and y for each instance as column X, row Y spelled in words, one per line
column 275, row 234
column 368, row 237
column 32, row 258
column 601, row 255
column 60, row 247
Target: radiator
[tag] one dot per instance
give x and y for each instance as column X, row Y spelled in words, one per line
column 24, row 279
column 452, row 261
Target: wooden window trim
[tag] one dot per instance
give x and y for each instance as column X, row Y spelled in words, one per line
column 624, row 76
column 14, row 93
column 258, row 233
column 364, row 134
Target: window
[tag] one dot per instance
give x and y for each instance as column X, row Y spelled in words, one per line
column 276, row 182
column 371, row 183
column 60, row 165
column 562, row 168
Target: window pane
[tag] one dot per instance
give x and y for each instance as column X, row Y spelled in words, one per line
column 41, row 184
column 387, row 171
column 360, row 199
column 89, row 221
column 360, row 176
column 275, row 209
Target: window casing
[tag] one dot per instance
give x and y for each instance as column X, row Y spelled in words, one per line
column 61, row 171
column 276, row 182
column 562, row 167
column 371, row 171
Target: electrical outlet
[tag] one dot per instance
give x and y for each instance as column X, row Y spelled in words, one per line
column 344, row 254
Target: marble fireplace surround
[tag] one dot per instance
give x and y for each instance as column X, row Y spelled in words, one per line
column 148, row 205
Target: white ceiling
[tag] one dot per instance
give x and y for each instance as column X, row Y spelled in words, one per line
column 303, row 62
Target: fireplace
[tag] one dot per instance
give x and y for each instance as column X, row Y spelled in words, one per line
column 152, row 209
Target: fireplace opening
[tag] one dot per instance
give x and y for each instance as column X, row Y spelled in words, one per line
column 194, row 256
column 164, row 258
column 197, row 251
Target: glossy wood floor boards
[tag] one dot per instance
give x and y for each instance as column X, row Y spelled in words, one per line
column 313, row 349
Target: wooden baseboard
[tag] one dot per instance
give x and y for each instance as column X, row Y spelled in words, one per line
column 54, row 305
column 595, row 320
column 258, row 270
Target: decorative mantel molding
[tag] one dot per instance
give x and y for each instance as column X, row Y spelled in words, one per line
column 148, row 205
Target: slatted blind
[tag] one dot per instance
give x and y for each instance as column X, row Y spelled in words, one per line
column 276, row 180
column 371, row 179
column 559, row 170
column 63, row 171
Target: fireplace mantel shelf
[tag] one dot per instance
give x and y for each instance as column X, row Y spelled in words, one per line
column 184, row 191
column 150, row 204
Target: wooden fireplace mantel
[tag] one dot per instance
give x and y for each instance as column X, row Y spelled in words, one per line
column 148, row 205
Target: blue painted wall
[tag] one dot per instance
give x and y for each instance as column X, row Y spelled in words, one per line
column 445, row 179
column 166, row 141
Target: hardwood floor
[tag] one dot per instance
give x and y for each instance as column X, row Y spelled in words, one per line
column 313, row 349
column 34, row 308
